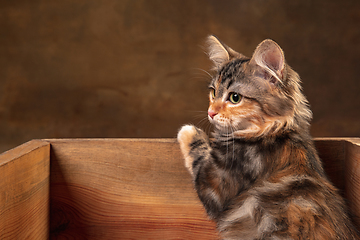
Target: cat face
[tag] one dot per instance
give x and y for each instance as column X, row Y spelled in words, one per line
column 254, row 97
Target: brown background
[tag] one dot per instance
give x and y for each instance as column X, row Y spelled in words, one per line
column 132, row 68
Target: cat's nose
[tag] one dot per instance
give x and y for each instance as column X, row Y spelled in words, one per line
column 212, row 113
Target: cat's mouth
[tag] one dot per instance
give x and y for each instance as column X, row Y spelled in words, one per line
column 227, row 125
column 219, row 121
column 235, row 128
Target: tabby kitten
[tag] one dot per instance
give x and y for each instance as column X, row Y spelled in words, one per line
column 261, row 177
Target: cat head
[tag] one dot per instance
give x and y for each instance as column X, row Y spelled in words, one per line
column 255, row 97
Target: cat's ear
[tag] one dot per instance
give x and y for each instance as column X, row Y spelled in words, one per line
column 218, row 52
column 270, row 57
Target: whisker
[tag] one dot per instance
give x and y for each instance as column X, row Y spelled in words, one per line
column 232, row 160
column 227, row 141
column 209, row 128
column 209, row 131
column 201, row 78
column 199, row 115
column 203, row 71
column 233, row 142
column 202, row 121
column 203, row 113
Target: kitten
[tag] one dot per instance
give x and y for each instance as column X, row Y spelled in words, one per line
column 261, row 177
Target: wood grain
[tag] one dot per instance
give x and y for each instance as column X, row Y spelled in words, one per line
column 123, row 189
column 24, row 188
column 352, row 177
column 341, row 158
column 332, row 153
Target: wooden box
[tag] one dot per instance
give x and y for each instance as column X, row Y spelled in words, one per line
column 123, row 189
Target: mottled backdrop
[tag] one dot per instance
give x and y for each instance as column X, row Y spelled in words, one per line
column 133, row 68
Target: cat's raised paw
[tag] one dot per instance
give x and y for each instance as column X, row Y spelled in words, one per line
column 186, row 134
column 185, row 138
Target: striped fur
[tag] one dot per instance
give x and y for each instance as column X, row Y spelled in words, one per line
column 261, row 177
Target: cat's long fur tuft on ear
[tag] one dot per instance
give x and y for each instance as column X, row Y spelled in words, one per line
column 270, row 57
column 218, row 52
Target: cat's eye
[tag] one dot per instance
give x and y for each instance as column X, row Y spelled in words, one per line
column 235, row 98
column 212, row 93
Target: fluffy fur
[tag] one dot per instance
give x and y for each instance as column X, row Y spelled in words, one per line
column 261, row 177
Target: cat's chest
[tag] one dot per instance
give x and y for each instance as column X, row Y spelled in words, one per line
column 240, row 160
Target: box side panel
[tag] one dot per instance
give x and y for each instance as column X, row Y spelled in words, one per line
column 138, row 189
column 332, row 154
column 123, row 189
column 352, row 178
column 24, row 191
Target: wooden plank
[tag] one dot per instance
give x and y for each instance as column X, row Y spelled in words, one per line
column 332, row 153
column 341, row 158
column 123, row 189
column 139, row 189
column 24, row 191
column 352, row 177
